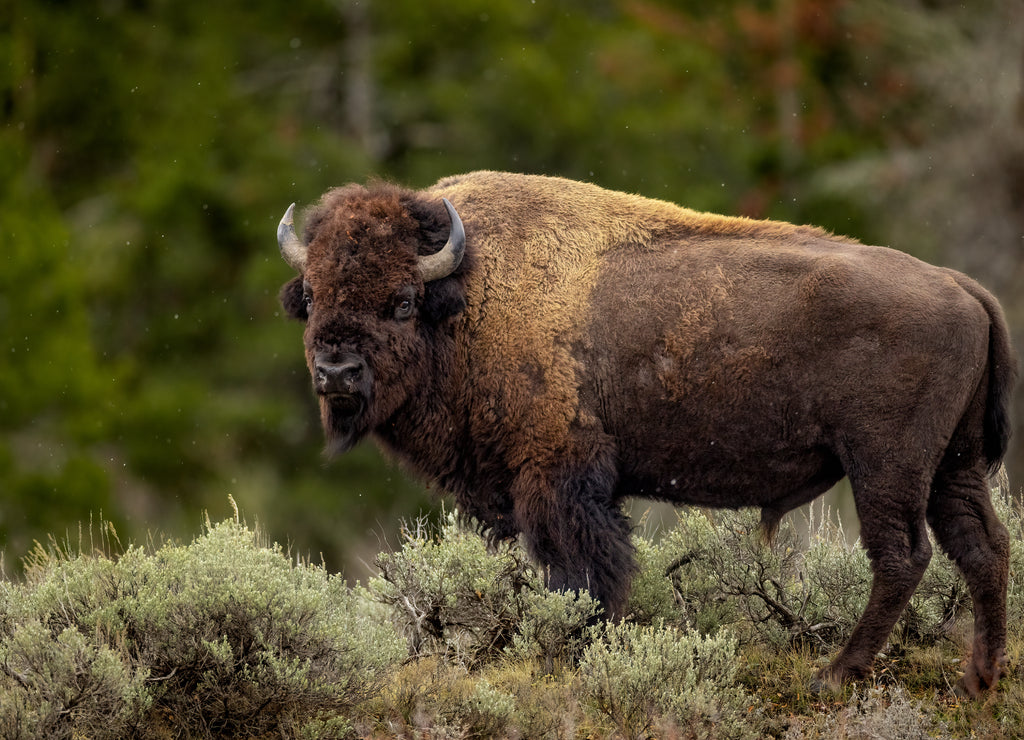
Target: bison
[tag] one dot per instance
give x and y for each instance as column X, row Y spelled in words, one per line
column 543, row 348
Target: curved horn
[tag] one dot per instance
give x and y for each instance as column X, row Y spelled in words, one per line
column 292, row 248
column 443, row 263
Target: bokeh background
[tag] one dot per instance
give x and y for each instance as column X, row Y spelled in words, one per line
column 149, row 147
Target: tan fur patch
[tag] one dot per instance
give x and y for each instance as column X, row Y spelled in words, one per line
column 531, row 305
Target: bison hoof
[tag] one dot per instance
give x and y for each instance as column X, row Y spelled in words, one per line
column 832, row 678
column 823, row 685
column 826, row 682
column 979, row 678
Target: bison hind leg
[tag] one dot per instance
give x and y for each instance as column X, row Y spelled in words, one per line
column 964, row 521
column 895, row 535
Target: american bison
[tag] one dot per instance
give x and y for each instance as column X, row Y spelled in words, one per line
column 543, row 349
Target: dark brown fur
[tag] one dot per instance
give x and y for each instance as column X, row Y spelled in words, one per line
column 596, row 345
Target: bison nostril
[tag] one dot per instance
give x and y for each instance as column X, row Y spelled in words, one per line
column 340, row 377
column 351, row 372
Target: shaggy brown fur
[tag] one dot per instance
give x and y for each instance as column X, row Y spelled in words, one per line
column 595, row 345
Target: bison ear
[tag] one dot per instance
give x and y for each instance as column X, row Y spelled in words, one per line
column 292, row 299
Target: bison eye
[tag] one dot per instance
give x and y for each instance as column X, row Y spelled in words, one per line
column 403, row 309
column 307, row 296
column 405, row 303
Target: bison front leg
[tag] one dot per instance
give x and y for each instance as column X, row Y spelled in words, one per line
column 577, row 533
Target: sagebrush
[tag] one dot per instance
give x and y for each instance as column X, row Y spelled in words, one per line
column 229, row 636
column 223, row 637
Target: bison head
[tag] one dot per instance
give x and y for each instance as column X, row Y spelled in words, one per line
column 374, row 292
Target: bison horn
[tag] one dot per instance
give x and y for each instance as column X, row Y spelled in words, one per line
column 443, row 263
column 292, row 248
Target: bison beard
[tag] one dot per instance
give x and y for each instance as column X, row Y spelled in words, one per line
column 568, row 347
column 343, row 419
column 344, row 383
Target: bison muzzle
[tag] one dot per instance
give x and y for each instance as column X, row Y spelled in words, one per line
column 543, row 349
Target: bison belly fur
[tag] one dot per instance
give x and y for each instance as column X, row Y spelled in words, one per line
column 543, row 348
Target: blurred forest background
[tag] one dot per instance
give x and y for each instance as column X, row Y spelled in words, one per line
column 149, row 147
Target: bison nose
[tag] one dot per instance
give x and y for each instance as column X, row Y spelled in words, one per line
column 339, row 376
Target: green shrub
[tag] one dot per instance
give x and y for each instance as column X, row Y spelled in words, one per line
column 486, row 712
column 220, row 638
column 1011, row 512
column 228, row 637
column 450, row 596
column 876, row 712
column 722, row 574
column 247, row 642
column 714, row 570
column 637, row 676
column 835, row 580
column 653, row 598
column 553, row 628
column 64, row 685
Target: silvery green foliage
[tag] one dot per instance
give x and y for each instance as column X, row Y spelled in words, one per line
column 221, row 637
column 876, row 712
column 486, row 712
column 715, row 569
column 720, row 572
column 653, row 597
column 1011, row 512
column 452, row 595
column 65, row 685
column 835, row 580
column 249, row 630
column 553, row 629
column 640, row 677
column 449, row 595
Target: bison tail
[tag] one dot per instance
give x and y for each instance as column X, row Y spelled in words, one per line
column 1002, row 374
